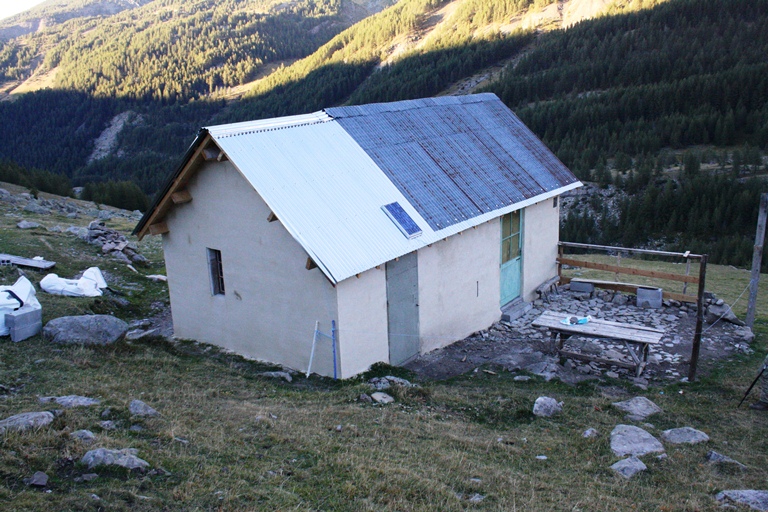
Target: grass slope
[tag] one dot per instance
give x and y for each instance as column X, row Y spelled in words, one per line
column 230, row 439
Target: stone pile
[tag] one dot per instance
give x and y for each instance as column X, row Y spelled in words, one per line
column 112, row 243
column 64, row 206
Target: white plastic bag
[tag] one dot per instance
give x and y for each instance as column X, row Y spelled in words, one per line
column 90, row 285
column 25, row 292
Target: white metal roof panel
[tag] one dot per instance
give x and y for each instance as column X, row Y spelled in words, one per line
column 332, row 206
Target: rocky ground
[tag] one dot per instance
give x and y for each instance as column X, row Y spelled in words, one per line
column 517, row 345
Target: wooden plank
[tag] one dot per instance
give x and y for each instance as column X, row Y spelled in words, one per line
column 310, row 264
column 181, row 197
column 628, row 288
column 158, row 228
column 627, row 270
column 610, row 248
column 27, row 262
column 601, row 329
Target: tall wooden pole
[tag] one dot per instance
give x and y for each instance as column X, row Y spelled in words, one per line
column 699, row 320
column 757, row 259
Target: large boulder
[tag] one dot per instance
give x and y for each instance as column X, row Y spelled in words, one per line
column 684, row 435
column 85, row 330
column 716, row 312
column 70, row 401
column 26, row 421
column 631, row 440
column 125, row 458
column 756, row 500
column 139, row 408
column 546, row 407
column 638, row 408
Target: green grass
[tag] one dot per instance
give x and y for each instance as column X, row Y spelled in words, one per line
column 257, row 444
column 232, row 440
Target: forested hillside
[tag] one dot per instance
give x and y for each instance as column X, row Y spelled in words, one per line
column 621, row 98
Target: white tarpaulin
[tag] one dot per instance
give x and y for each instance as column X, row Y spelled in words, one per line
column 90, row 285
column 13, row 297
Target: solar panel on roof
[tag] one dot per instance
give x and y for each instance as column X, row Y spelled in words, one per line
column 402, row 220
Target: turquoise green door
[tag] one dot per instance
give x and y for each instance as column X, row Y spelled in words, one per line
column 511, row 256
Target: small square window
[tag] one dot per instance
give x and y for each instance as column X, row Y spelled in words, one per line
column 554, row 202
column 216, row 271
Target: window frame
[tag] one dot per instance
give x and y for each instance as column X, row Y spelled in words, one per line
column 215, row 271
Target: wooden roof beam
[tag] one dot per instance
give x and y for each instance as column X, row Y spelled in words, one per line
column 181, row 197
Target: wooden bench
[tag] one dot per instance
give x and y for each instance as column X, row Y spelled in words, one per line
column 636, row 338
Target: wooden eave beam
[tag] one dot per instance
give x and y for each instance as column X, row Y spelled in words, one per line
column 178, row 183
column 181, row 197
column 158, row 228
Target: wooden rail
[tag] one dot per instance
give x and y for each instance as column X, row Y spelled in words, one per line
column 668, row 276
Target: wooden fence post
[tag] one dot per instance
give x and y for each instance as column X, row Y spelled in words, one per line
column 757, row 259
column 699, row 320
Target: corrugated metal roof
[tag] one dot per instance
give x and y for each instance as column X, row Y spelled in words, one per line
column 454, row 157
column 451, row 163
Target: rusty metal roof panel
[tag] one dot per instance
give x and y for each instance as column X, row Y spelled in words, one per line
column 455, row 157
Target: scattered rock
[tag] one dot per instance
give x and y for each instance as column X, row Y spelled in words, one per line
column 85, row 330
column 756, row 500
column 684, row 435
column 277, row 375
column 629, row 467
column 382, row 398
column 639, row 407
column 70, row 401
column 125, row 458
column 39, row 479
column 34, row 207
column 717, row 458
column 137, row 334
column 364, row 397
column 521, row 378
column 25, row 224
column 590, row 432
column 382, row 383
column 476, row 498
column 546, row 407
column 744, row 334
column 723, row 311
column 26, row 421
column 84, row 436
column 631, row 440
column 87, row 477
column 108, row 425
column 139, row 408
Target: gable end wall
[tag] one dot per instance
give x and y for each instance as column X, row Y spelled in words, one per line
column 271, row 301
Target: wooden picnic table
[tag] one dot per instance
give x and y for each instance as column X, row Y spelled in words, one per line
column 636, row 338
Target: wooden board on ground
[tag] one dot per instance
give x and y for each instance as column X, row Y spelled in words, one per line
column 9, row 259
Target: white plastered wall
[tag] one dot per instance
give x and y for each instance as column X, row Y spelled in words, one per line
column 459, row 285
column 363, row 321
column 271, row 301
column 541, row 233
